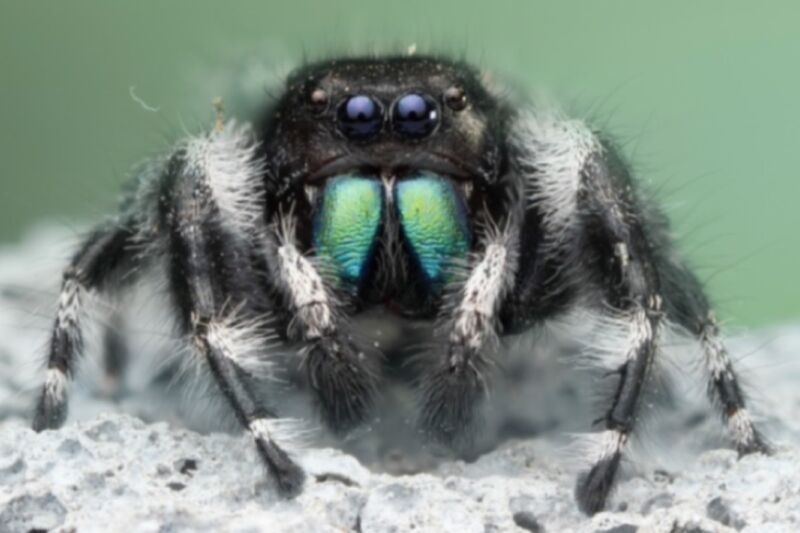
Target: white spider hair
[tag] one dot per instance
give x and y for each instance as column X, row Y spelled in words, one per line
column 229, row 161
column 553, row 150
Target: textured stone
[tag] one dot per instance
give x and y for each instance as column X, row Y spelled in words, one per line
column 718, row 509
column 124, row 483
column 29, row 512
column 166, row 469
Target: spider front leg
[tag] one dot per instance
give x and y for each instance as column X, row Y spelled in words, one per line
column 618, row 257
column 209, row 275
column 452, row 388
column 642, row 283
column 615, row 233
column 340, row 372
column 99, row 259
column 594, row 229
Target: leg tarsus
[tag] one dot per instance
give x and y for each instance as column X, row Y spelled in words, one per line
column 593, row 487
column 288, row 475
column 450, row 396
column 343, row 380
column 758, row 445
column 51, row 409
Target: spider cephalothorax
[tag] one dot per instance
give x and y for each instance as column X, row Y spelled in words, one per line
column 403, row 183
column 386, row 165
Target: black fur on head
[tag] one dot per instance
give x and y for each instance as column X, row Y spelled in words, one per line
column 307, row 140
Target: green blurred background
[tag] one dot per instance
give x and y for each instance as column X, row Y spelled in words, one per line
column 705, row 97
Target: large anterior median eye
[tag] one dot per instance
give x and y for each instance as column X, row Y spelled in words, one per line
column 360, row 117
column 434, row 221
column 346, row 222
column 415, row 115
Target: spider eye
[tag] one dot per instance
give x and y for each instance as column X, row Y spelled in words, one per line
column 415, row 115
column 455, row 98
column 318, row 101
column 360, row 117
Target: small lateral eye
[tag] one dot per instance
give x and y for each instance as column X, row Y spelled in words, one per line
column 360, row 117
column 455, row 98
column 415, row 115
column 318, row 100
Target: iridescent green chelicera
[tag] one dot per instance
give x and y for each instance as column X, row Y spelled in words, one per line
column 434, row 222
column 347, row 222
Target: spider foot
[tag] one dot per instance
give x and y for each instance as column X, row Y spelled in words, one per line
column 451, row 394
column 344, row 381
column 593, row 487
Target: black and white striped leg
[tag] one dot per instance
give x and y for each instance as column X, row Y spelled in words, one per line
column 631, row 284
column 101, row 256
column 452, row 389
column 260, row 421
column 341, row 373
column 595, row 484
column 198, row 252
column 725, row 389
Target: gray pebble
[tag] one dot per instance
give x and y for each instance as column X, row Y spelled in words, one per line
column 11, row 468
column 28, row 512
column 527, row 521
column 718, row 509
column 622, row 528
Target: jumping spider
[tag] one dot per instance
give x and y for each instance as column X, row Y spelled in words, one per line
column 410, row 184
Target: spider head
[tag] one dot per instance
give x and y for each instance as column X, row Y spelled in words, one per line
column 387, row 116
column 387, row 163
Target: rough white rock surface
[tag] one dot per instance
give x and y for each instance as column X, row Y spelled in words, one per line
column 109, row 471
column 116, row 473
